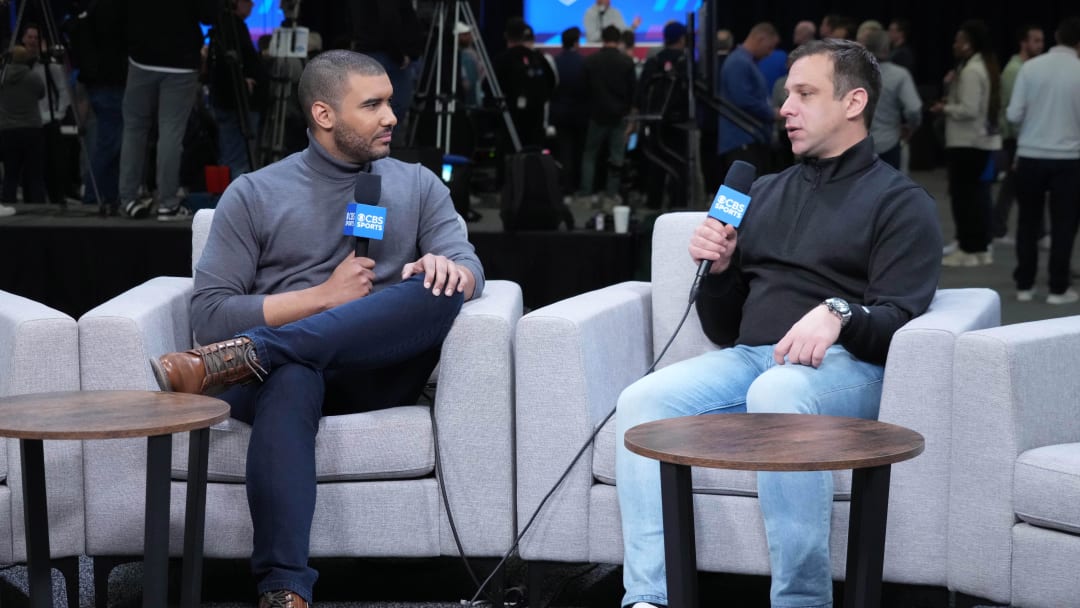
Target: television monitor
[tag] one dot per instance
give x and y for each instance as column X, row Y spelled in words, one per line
column 549, row 18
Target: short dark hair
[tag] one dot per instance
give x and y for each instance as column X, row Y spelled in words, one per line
column 610, row 34
column 1024, row 30
column 1068, row 32
column 902, row 24
column 629, row 39
column 853, row 67
column 325, row 76
column 571, row 36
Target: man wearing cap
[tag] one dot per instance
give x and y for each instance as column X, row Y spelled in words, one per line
column 601, row 15
column 527, row 82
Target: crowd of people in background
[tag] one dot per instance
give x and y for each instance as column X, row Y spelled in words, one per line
column 150, row 89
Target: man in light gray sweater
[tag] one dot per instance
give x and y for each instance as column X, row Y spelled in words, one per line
column 284, row 299
column 1045, row 103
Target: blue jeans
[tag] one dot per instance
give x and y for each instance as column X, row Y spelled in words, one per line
column 171, row 96
column 232, row 145
column 106, row 102
column 372, row 353
column 796, row 506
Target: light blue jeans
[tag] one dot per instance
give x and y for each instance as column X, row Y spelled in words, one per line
column 796, row 506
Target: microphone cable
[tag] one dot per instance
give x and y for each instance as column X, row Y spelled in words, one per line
column 570, row 467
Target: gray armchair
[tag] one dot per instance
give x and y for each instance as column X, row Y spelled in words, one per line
column 39, row 353
column 377, row 495
column 574, row 357
column 1014, row 506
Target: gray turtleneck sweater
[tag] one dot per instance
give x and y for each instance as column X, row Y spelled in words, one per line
column 279, row 229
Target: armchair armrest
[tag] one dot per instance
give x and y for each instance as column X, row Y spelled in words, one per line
column 474, row 412
column 918, row 393
column 118, row 337
column 40, row 350
column 573, row 358
column 1016, row 389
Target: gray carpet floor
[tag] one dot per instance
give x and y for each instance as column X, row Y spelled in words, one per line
column 443, row 583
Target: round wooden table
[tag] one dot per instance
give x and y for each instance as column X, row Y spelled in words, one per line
column 777, row 442
column 87, row 415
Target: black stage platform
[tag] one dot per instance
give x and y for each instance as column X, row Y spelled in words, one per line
column 74, row 260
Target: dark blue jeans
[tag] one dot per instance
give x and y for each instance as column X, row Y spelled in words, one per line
column 105, row 157
column 369, row 354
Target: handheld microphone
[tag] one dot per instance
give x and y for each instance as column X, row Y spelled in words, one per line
column 364, row 218
column 731, row 202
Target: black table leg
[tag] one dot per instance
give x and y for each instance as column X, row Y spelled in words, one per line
column 195, row 518
column 680, row 552
column 156, row 543
column 36, row 518
column 866, row 536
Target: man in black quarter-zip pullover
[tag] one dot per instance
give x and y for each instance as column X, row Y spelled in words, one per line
column 832, row 257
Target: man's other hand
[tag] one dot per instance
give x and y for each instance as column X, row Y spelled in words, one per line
column 352, row 279
column 806, row 342
column 441, row 275
column 713, row 241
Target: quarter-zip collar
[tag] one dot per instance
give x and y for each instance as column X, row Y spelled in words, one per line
column 854, row 160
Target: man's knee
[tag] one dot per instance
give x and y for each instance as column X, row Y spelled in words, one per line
column 292, row 392
column 782, row 390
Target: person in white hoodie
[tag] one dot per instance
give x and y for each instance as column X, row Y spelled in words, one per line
column 1046, row 104
column 971, row 134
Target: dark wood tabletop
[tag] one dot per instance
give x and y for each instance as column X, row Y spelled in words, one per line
column 106, row 414
column 774, row 442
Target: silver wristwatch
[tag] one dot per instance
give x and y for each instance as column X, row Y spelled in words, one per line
column 840, row 308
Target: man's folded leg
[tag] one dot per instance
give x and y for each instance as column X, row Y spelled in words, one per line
column 384, row 328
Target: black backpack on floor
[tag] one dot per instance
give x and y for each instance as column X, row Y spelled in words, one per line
column 531, row 195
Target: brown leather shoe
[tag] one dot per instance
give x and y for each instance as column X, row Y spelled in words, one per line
column 204, row 369
column 281, row 599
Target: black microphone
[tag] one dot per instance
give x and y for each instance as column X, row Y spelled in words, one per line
column 367, row 191
column 730, row 203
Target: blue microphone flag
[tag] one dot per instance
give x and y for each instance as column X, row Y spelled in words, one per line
column 365, row 221
column 729, row 206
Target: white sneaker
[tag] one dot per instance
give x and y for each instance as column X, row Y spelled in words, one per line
column 1044, row 243
column 962, row 259
column 1025, row 295
column 986, row 258
column 1068, row 297
column 177, row 214
column 950, row 248
column 6, row 211
column 1006, row 241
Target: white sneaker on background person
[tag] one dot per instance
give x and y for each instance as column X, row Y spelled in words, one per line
column 950, row 247
column 963, row 259
column 6, row 211
column 1068, row 297
column 1025, row 295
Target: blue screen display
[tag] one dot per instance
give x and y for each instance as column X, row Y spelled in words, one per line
column 549, row 18
column 266, row 15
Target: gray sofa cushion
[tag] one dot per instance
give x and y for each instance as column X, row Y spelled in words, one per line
column 705, row 481
column 1047, row 487
column 394, row 443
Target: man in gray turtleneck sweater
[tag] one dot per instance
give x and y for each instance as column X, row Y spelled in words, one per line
column 311, row 320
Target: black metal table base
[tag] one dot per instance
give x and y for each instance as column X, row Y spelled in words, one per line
column 866, row 536
column 156, row 539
